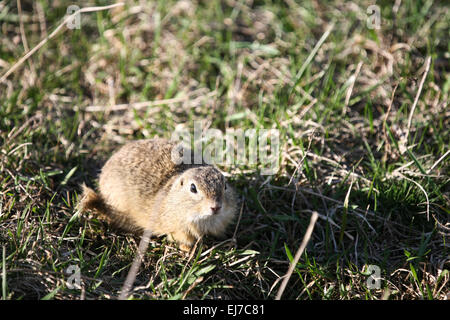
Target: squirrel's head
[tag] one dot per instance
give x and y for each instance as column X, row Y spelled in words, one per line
column 201, row 193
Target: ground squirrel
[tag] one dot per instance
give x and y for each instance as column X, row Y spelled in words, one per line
column 142, row 188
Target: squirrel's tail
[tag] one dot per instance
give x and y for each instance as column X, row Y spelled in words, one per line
column 90, row 200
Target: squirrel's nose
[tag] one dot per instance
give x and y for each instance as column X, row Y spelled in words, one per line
column 215, row 209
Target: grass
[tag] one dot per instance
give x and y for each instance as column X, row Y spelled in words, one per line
column 232, row 64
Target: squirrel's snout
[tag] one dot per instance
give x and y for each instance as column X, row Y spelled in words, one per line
column 215, row 209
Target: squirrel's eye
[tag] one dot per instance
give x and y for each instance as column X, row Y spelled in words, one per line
column 193, row 188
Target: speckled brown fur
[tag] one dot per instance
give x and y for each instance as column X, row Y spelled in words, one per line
column 142, row 188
